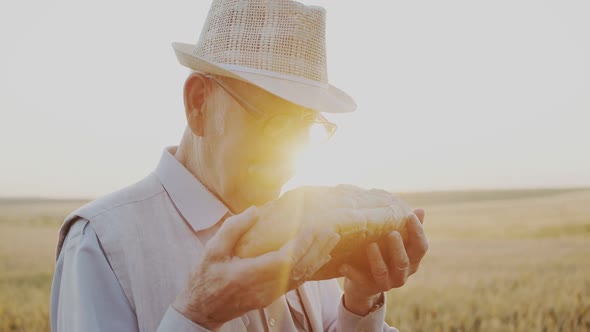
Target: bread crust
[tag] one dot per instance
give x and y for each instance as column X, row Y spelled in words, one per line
column 360, row 217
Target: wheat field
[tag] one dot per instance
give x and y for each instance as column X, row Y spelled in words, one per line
column 498, row 261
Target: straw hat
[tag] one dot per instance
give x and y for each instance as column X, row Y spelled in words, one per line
column 277, row 45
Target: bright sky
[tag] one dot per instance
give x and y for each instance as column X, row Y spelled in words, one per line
column 451, row 94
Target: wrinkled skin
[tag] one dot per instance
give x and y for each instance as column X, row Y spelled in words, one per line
column 224, row 286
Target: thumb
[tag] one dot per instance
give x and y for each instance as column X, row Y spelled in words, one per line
column 420, row 214
column 224, row 241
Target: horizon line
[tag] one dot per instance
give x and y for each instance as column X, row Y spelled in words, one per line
column 418, row 191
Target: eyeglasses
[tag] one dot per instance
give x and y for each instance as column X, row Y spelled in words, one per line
column 274, row 124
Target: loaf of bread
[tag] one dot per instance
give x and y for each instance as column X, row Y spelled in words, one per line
column 360, row 216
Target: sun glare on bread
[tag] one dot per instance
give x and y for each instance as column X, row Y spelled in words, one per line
column 312, row 168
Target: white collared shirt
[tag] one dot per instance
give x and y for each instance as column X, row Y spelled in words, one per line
column 86, row 295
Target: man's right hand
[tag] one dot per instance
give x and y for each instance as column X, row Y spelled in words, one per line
column 223, row 286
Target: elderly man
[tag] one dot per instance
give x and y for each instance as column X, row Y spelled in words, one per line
column 158, row 255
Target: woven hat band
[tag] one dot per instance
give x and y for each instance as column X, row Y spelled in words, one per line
column 280, row 36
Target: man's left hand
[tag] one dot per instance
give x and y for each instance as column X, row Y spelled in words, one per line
column 362, row 291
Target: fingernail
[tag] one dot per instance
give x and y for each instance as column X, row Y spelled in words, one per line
column 334, row 239
column 416, row 219
column 395, row 235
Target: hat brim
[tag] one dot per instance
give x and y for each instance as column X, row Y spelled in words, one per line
column 327, row 99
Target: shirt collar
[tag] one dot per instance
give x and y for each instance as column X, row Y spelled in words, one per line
column 192, row 199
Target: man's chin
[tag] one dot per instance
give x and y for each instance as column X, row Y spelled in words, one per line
column 260, row 195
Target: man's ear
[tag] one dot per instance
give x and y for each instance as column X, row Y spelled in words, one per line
column 195, row 89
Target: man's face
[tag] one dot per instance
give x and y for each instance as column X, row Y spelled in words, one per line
column 254, row 155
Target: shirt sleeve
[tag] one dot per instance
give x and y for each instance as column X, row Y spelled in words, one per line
column 337, row 318
column 86, row 295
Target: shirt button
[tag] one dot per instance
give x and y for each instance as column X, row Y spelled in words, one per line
column 271, row 322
